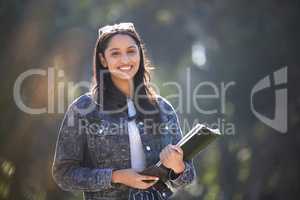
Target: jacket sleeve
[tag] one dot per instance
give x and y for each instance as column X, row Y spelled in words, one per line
column 67, row 170
column 188, row 175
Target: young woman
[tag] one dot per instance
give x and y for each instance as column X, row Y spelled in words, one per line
column 108, row 136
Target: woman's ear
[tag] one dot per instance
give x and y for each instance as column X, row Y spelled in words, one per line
column 102, row 59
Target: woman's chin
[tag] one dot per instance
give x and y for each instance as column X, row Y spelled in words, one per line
column 124, row 76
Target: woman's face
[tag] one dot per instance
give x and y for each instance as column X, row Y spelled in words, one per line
column 121, row 57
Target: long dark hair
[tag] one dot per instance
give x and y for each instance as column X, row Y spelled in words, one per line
column 141, row 79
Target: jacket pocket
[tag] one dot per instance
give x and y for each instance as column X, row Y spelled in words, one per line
column 110, row 150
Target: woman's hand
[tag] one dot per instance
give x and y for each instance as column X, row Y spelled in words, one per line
column 133, row 179
column 172, row 157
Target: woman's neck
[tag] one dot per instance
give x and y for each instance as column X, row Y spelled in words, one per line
column 124, row 86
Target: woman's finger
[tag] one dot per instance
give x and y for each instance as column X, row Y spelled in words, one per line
column 177, row 149
column 145, row 185
column 169, row 151
column 162, row 155
column 151, row 184
column 154, row 178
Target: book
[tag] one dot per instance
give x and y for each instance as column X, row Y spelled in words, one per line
column 195, row 141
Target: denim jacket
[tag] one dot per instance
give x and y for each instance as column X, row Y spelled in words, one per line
column 92, row 144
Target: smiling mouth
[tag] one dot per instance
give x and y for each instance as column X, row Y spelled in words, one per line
column 125, row 68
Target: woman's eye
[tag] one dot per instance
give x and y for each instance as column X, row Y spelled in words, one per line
column 132, row 51
column 115, row 53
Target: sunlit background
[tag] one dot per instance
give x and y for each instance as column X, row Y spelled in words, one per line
column 230, row 42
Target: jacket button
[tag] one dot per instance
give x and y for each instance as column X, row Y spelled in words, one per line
column 164, row 194
column 148, row 148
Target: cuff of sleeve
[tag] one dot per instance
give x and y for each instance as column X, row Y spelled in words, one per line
column 104, row 177
column 183, row 178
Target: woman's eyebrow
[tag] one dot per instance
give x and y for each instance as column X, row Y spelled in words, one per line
column 131, row 46
column 114, row 49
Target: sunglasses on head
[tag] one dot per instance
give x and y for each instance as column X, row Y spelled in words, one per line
column 115, row 28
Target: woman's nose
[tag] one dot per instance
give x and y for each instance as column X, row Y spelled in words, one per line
column 124, row 59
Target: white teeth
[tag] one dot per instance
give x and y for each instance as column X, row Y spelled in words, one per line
column 125, row 68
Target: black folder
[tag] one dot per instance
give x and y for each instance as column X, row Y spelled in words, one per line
column 196, row 140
